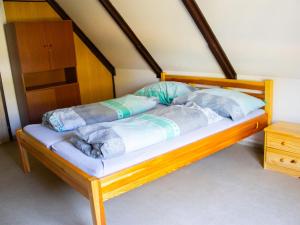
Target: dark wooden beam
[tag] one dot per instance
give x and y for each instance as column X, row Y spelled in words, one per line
column 131, row 36
column 210, row 38
column 83, row 37
column 5, row 110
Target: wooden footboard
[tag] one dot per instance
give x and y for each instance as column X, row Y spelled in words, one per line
column 98, row 190
column 87, row 185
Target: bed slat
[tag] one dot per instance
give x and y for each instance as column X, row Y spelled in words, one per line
column 244, row 84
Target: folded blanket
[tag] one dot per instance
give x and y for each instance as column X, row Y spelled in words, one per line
column 107, row 140
column 77, row 116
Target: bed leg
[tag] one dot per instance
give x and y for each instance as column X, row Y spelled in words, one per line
column 23, row 155
column 96, row 202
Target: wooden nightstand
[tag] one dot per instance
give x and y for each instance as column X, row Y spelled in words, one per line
column 282, row 148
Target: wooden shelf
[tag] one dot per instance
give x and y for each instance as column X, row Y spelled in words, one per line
column 47, row 86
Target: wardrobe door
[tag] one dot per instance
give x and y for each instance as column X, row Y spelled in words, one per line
column 39, row 102
column 67, row 95
column 61, row 44
column 33, row 50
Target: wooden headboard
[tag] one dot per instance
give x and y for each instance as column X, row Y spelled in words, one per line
column 259, row 89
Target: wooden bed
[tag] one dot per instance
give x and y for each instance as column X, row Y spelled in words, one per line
column 98, row 190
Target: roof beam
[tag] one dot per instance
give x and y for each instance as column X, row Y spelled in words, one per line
column 213, row 43
column 131, row 36
column 56, row 7
column 2, row 95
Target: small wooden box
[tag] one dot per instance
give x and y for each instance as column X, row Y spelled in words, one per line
column 282, row 148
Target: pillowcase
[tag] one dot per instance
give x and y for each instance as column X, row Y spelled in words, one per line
column 227, row 103
column 166, row 91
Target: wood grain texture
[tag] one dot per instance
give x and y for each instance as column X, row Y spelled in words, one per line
column 37, row 50
column 45, row 99
column 282, row 148
column 40, row 101
column 67, row 95
column 290, row 172
column 221, row 82
column 43, row 78
column 64, row 169
column 46, row 45
column 32, row 47
column 269, row 85
column 284, row 142
column 16, row 70
column 96, row 202
column 95, row 81
column 23, row 154
column 60, row 41
column 283, row 159
column 285, row 128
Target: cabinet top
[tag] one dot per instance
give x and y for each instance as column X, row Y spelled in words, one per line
column 40, row 21
column 286, row 128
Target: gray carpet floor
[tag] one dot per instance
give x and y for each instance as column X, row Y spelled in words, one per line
column 228, row 188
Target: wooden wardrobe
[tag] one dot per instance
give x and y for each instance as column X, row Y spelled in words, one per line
column 42, row 56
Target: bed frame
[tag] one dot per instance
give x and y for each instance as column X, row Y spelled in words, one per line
column 98, row 190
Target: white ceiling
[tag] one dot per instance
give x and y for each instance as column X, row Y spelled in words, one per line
column 260, row 37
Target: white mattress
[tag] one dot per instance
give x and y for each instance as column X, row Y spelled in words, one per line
column 100, row 168
column 45, row 135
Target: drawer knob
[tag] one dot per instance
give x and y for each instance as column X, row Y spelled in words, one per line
column 293, row 161
column 282, row 160
column 283, row 143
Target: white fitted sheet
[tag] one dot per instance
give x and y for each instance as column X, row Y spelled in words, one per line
column 45, row 135
column 100, row 168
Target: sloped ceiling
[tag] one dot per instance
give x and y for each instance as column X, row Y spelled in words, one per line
column 260, row 37
column 97, row 24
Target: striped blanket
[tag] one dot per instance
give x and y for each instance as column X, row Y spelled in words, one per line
column 77, row 116
column 107, row 140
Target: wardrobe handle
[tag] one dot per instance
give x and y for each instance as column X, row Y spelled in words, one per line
column 293, row 161
column 282, row 160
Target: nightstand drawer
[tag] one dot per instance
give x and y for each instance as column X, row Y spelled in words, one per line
column 283, row 142
column 278, row 158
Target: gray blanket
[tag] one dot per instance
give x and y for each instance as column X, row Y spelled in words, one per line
column 71, row 118
column 107, row 140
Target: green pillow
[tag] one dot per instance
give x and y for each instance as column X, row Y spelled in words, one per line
column 165, row 91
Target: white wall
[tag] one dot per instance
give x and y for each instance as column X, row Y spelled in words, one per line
column 8, row 86
column 261, row 37
column 128, row 81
